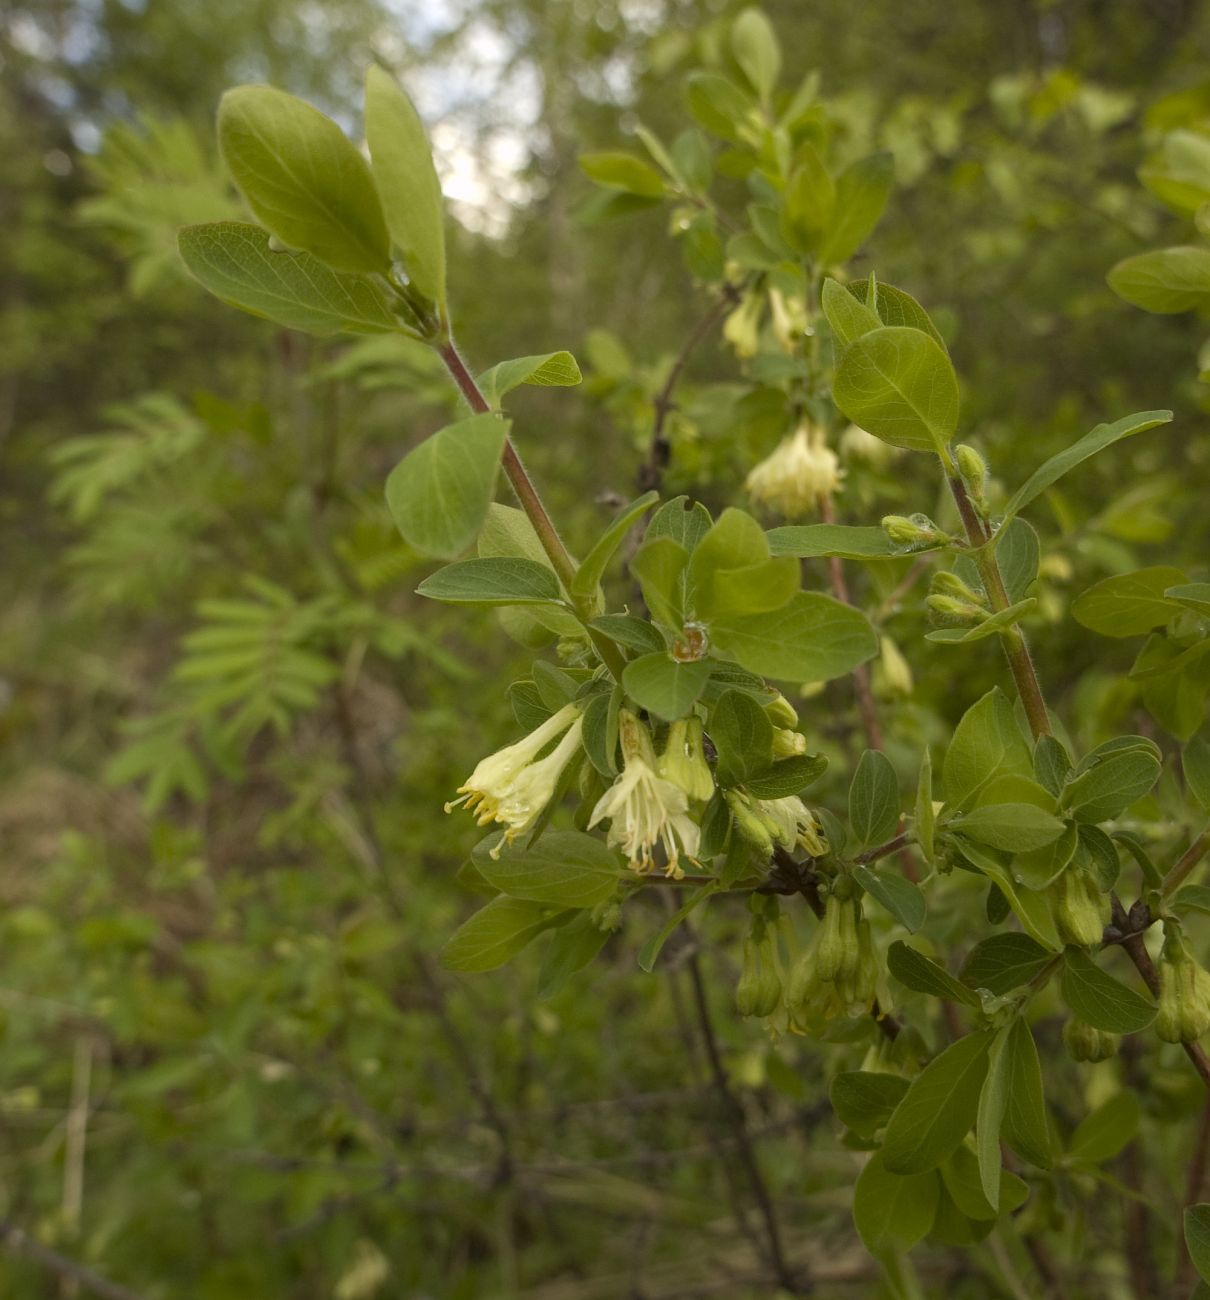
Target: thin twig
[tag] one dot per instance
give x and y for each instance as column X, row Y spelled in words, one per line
column 651, row 472
column 67, row 1269
column 795, row 1283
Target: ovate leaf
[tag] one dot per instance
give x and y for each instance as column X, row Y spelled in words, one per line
column 939, row 1108
column 496, row 933
column 892, row 1210
column 440, row 492
column 500, row 580
column 236, row 263
column 546, row 370
column 407, row 181
column 899, row 384
column 812, row 638
column 303, row 178
column 1165, row 280
column 1104, row 1002
column 1097, row 439
column 563, row 868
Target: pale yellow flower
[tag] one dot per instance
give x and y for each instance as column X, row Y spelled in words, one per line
column 510, row 787
column 644, row 809
column 797, row 475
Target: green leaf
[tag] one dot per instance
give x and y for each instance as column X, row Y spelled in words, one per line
column 1102, row 1001
column 891, row 1211
column 849, row 317
column 895, row 307
column 787, row 777
column 663, row 686
column 862, row 191
column 1197, row 1238
column 623, row 171
column 1030, row 908
column 402, row 164
column 874, row 799
column 812, row 638
column 1105, row 1132
column 1026, row 1126
column 1014, row 827
column 545, row 370
column 571, row 948
column 497, row 581
column 659, row 566
column 1003, row 962
column 1037, row 869
column 997, row 622
column 864, row 1101
column 810, row 196
column 964, row 1185
column 735, row 541
column 1166, row 280
column 717, row 104
column 743, row 736
column 601, row 731
column 440, row 492
column 754, row 44
column 1095, row 440
column 496, row 933
column 1111, row 785
column 1192, row 595
column 592, row 568
column 753, row 589
column 805, row 541
column 1192, row 896
column 916, row 971
column 993, row 1097
column 1128, row 604
column 633, row 633
column 900, row 897
column 685, row 522
column 939, row 1107
column 1195, row 763
column 987, row 743
column 1051, row 764
column 236, row 263
column 563, row 868
column 925, row 817
column 303, row 178
column 1017, row 553
column 899, row 384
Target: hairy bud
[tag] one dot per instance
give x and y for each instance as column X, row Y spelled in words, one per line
column 913, row 532
column 1079, row 906
column 1084, row 1042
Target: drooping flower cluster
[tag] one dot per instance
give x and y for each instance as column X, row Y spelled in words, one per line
column 800, row 472
column 510, row 787
column 644, row 809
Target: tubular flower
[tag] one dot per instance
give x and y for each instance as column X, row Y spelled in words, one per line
column 510, row 787
column 797, row 475
column 683, row 762
column 644, row 809
column 795, row 824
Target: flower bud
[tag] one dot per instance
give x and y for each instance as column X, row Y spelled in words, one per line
column 789, row 315
column 838, row 951
column 950, row 610
column 803, row 981
column 973, row 469
column 1084, row 1042
column 1078, row 906
column 742, row 327
column 896, row 671
column 914, row 532
column 751, row 826
column 787, row 743
column 781, row 713
column 759, row 990
column 1184, row 1014
column 947, row 583
column 683, row 762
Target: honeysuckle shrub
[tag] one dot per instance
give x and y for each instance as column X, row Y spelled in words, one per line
column 717, row 719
